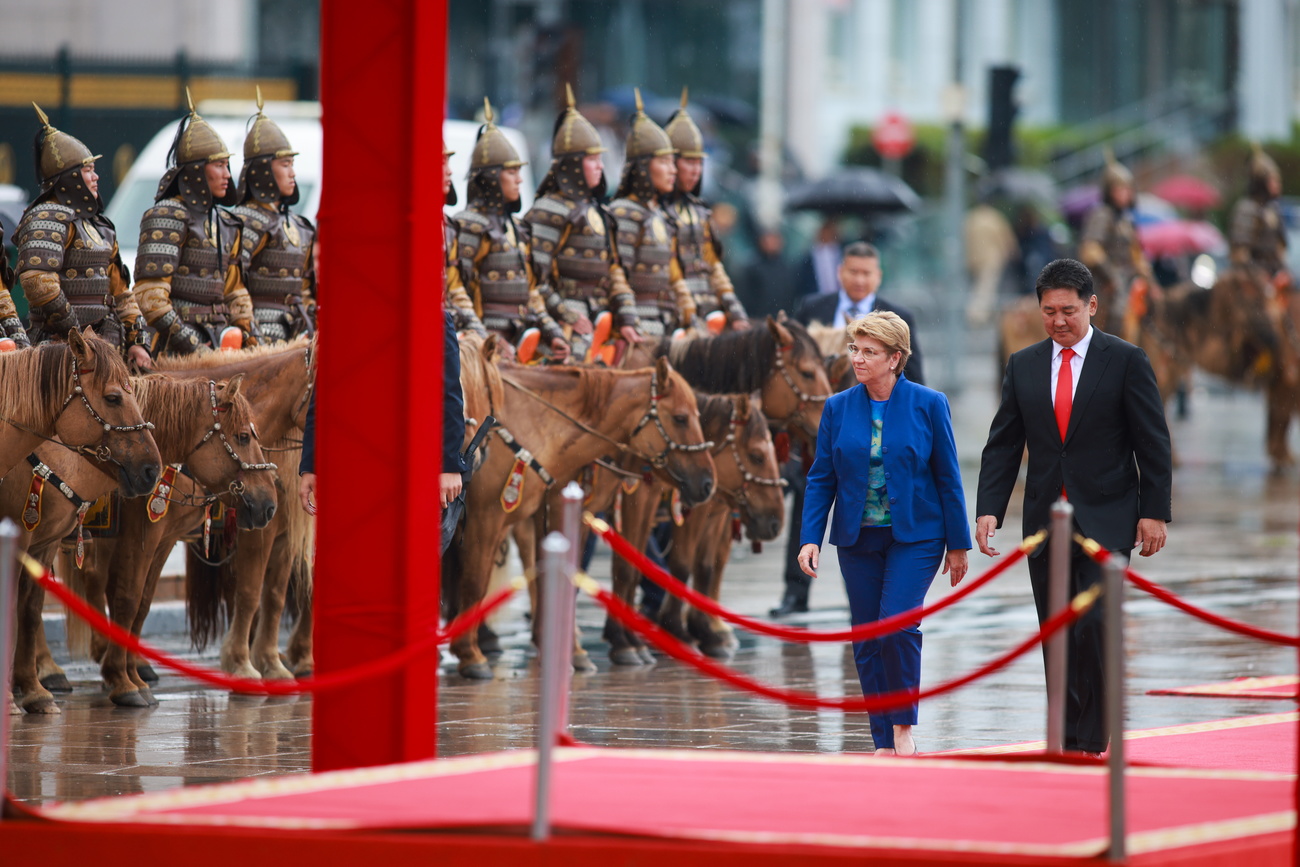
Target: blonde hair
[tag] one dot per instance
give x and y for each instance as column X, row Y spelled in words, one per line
column 889, row 329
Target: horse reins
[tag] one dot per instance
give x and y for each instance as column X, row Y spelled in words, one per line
column 659, row 461
column 803, row 397
column 747, row 478
column 237, row 484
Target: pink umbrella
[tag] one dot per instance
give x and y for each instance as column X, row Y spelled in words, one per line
column 1181, row 238
column 1188, row 192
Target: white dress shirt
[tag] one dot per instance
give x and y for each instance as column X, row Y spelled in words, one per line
column 865, row 306
column 1076, row 364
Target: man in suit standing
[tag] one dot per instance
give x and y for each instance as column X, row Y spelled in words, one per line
column 1086, row 405
column 859, row 277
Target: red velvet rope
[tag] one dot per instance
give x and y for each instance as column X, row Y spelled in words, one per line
column 863, row 632
column 323, row 683
column 666, row 643
column 1101, row 555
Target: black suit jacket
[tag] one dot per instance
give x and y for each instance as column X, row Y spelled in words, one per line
column 821, row 308
column 1115, row 462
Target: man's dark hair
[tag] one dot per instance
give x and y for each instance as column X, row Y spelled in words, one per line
column 1064, row 274
column 862, row 249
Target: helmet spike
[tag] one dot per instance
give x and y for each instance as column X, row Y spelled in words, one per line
column 190, row 99
column 568, row 93
column 260, row 103
column 684, row 90
column 487, row 111
column 640, row 106
column 45, row 120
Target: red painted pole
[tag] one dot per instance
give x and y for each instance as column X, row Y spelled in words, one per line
column 379, row 384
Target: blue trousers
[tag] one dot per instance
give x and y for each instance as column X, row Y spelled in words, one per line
column 882, row 578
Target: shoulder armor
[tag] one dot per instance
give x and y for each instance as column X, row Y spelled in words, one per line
column 255, row 223
column 162, row 230
column 472, row 221
column 626, row 209
column 550, row 209
column 43, row 235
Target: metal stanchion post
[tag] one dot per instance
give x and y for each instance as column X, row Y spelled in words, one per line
column 571, row 526
column 8, row 575
column 1114, row 601
column 555, row 665
column 1058, row 597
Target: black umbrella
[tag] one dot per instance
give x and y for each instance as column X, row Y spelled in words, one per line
column 1018, row 185
column 854, row 192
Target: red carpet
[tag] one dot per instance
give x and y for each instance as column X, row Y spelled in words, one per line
column 993, row 808
column 1278, row 686
column 1265, row 743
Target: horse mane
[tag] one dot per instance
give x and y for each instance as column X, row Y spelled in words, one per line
column 35, row 382
column 181, row 412
column 831, row 340
column 206, row 358
column 477, row 376
column 734, row 361
column 593, row 384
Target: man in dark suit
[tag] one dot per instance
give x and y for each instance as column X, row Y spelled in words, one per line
column 859, row 276
column 1086, row 405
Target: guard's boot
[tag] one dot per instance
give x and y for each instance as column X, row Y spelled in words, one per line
column 526, row 348
column 232, row 339
column 600, row 331
column 716, row 322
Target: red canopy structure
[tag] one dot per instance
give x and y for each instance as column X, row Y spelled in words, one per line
column 1181, row 238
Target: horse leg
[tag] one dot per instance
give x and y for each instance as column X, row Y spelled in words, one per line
column 1281, row 397
column 483, row 531
column 247, row 569
column 723, row 641
column 153, row 573
column 32, row 697
column 266, row 644
column 638, row 521
column 125, row 589
column 95, row 576
column 686, row 540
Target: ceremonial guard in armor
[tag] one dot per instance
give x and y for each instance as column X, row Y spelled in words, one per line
column 647, row 246
column 456, row 299
column 68, row 262
column 1257, row 234
column 698, row 248
column 1110, row 248
column 188, row 277
column 573, row 241
column 277, row 243
column 12, row 332
column 493, row 250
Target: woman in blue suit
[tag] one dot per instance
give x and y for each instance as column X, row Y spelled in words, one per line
column 887, row 460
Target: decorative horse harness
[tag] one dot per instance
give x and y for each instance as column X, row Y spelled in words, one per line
column 741, row 495
column 803, row 397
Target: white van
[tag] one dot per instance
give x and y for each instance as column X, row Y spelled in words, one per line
column 301, row 122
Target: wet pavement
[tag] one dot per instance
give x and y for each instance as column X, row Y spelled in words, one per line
column 1232, row 548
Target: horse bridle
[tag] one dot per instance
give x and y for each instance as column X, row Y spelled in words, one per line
column 747, row 478
column 802, row 396
column 236, row 486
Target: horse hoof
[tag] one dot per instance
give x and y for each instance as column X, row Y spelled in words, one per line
column 57, row 682
column 582, row 663
column 720, row 650
column 646, row 656
column 132, row 698
column 147, row 695
column 146, row 672
column 14, row 709
column 42, row 704
column 476, row 671
column 489, row 643
column 303, row 673
column 625, row 656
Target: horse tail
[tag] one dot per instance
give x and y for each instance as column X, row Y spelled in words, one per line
column 206, row 580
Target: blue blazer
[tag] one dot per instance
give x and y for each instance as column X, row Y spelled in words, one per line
column 926, row 500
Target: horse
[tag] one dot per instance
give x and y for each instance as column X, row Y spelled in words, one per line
column 43, row 392
column 563, row 418
column 749, row 483
column 276, row 382
column 207, row 427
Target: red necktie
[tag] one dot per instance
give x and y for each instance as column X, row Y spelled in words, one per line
column 1064, row 392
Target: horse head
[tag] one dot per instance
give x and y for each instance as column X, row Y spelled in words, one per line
column 797, row 386
column 230, row 459
column 748, row 472
column 677, row 437
column 100, row 415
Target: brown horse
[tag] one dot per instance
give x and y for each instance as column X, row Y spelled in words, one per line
column 566, row 417
column 204, row 425
column 276, row 382
column 749, row 482
column 79, row 392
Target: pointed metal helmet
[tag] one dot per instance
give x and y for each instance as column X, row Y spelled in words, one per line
column 574, row 134
column 647, row 138
column 58, row 151
column 493, row 149
column 1262, row 166
column 265, row 138
column 683, row 132
column 199, row 141
column 1114, row 173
